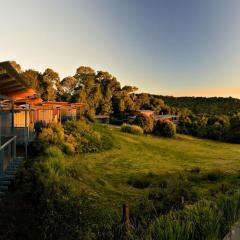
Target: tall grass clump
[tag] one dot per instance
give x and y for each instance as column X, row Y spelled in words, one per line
column 204, row 220
column 134, row 129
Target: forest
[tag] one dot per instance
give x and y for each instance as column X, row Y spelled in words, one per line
column 213, row 118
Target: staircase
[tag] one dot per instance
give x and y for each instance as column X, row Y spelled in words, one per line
column 9, row 175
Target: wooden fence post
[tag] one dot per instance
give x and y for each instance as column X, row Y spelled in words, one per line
column 125, row 221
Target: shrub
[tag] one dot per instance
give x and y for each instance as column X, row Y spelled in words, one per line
column 165, row 128
column 54, row 152
column 214, row 175
column 76, row 136
column 134, row 129
column 172, row 193
column 52, row 135
column 89, row 137
column 139, row 182
column 146, row 123
column 69, row 146
column 195, row 170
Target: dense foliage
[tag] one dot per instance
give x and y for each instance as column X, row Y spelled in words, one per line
column 165, row 128
column 198, row 105
column 146, row 123
column 222, row 127
column 74, row 137
column 134, row 129
column 213, row 118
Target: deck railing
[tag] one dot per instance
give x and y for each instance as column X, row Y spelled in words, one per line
column 7, row 154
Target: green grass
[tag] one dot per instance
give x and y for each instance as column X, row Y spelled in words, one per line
column 105, row 176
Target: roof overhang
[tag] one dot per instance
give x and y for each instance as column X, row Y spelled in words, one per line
column 12, row 83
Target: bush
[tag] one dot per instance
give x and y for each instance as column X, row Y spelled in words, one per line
column 54, row 152
column 139, row 182
column 50, row 136
column 73, row 136
column 173, row 193
column 89, row 137
column 69, row 146
column 195, row 170
column 146, row 123
column 165, row 128
column 214, row 175
column 134, row 129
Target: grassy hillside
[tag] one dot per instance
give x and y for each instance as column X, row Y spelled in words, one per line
column 61, row 194
column 106, row 175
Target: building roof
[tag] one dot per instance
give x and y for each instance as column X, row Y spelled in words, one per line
column 102, row 116
column 14, row 86
column 165, row 116
column 146, row 111
column 12, row 82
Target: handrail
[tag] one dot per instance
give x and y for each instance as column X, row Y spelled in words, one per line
column 8, row 142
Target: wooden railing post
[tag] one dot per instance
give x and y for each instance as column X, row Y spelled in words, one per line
column 14, row 148
column 10, row 148
column 1, row 162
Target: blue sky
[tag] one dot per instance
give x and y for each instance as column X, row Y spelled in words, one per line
column 174, row 47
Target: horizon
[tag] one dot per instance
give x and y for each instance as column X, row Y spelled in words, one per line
column 165, row 48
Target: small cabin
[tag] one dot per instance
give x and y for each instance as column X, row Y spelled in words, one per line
column 102, row 119
column 167, row 117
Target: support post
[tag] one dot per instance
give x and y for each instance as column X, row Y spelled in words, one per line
column 1, row 162
column 0, row 128
column 14, row 148
column 26, row 134
column 125, row 221
column 1, row 150
column 12, row 111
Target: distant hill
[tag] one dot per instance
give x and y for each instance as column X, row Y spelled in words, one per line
column 211, row 105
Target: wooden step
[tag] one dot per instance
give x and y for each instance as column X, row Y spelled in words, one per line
column 5, row 182
column 7, row 177
column 3, row 188
column 10, row 172
column 12, row 168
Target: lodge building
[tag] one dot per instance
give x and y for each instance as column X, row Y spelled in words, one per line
column 20, row 112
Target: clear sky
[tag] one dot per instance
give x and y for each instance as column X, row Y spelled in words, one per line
column 173, row 47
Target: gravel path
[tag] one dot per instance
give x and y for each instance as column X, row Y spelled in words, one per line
column 234, row 234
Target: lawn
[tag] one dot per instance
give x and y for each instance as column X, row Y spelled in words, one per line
column 105, row 175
